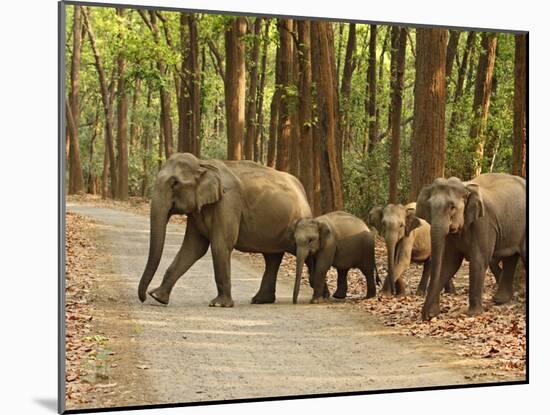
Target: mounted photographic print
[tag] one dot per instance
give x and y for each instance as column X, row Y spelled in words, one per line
column 257, row 207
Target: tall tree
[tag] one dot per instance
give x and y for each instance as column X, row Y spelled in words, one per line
column 520, row 105
column 122, row 121
column 350, row 63
column 274, row 111
column 260, row 136
column 193, row 69
column 451, row 53
column 482, row 98
column 323, row 59
column 428, row 151
column 235, row 86
column 106, row 98
column 398, row 49
column 284, row 128
column 305, row 114
column 468, row 50
column 251, row 103
column 370, row 103
column 76, row 178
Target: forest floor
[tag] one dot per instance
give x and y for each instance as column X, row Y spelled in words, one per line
column 121, row 352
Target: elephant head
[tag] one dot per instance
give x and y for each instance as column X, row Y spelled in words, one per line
column 183, row 186
column 310, row 236
column 450, row 206
column 394, row 222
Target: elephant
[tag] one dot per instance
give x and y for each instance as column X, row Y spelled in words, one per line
column 481, row 220
column 407, row 239
column 229, row 205
column 336, row 239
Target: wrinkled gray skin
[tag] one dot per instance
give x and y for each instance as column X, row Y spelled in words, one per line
column 336, row 239
column 407, row 240
column 481, row 220
column 229, row 205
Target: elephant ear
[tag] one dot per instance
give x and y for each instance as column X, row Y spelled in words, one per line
column 423, row 209
column 324, row 234
column 411, row 222
column 209, row 187
column 292, row 229
column 475, row 208
column 375, row 218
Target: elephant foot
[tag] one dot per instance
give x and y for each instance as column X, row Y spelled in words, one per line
column 429, row 312
column 160, row 296
column 318, row 300
column 339, row 295
column 386, row 293
column 502, row 297
column 222, row 301
column 475, row 310
column 263, row 299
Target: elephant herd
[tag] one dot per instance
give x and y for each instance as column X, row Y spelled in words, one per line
column 253, row 208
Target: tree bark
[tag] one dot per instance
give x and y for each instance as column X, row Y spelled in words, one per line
column 183, row 93
column 428, row 141
column 147, row 141
column 482, row 99
column 398, row 48
column 194, row 86
column 520, row 106
column 235, row 85
column 284, row 127
column 323, row 59
column 107, row 107
column 451, row 53
column 134, row 124
column 305, row 115
column 122, row 125
column 371, row 92
column 251, row 103
column 76, row 178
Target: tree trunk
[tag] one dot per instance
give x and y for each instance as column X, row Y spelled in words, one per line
column 122, row 125
column 194, row 86
column 398, row 48
column 184, row 127
column 274, row 111
column 305, row 115
column 284, row 127
column 107, row 106
column 428, row 151
column 468, row 50
column 520, row 106
column 295, row 128
column 371, row 92
column 451, row 53
column 76, row 178
column 235, row 86
column 345, row 89
column 259, row 139
column 251, row 103
column 147, row 141
column 323, row 59
column 134, row 140
column 482, row 99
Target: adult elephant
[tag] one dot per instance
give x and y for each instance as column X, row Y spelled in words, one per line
column 482, row 220
column 229, row 205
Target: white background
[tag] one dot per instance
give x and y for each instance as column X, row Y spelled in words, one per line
column 28, row 219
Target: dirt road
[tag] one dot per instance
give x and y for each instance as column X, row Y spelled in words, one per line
column 188, row 351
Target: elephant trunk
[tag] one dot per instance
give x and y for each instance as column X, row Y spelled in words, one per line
column 301, row 256
column 438, row 233
column 391, row 243
column 160, row 213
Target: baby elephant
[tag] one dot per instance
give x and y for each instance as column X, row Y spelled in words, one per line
column 336, row 239
column 407, row 240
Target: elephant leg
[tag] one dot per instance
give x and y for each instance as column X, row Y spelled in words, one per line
column 452, row 259
column 193, row 248
column 505, row 288
column 368, row 272
column 310, row 263
column 478, row 269
column 494, row 266
column 450, row 287
column 342, row 284
column 400, row 286
column 421, row 290
column 221, row 256
column 266, row 293
column 320, row 288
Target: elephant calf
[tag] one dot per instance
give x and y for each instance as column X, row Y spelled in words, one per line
column 407, row 240
column 336, row 239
